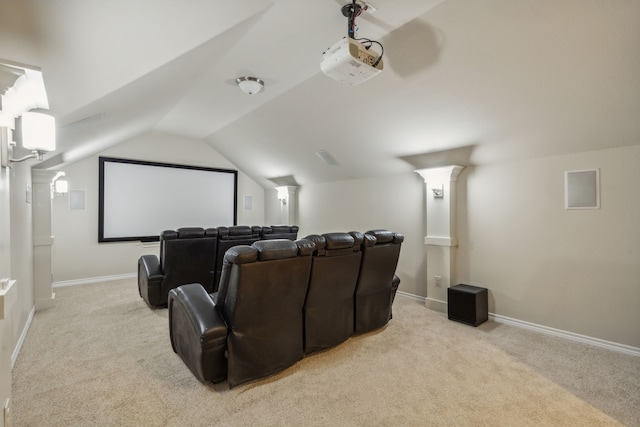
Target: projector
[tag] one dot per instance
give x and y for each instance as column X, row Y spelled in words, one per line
column 350, row 63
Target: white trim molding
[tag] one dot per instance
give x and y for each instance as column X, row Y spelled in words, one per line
column 436, row 305
column 440, row 174
column 23, row 336
column 441, row 306
column 610, row 345
column 450, row 242
column 43, row 241
column 411, row 296
column 89, row 280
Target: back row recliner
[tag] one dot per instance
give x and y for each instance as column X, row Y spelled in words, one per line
column 195, row 255
column 279, row 300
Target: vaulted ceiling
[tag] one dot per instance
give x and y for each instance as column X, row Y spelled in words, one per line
column 463, row 82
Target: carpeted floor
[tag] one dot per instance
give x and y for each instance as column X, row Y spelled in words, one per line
column 102, row 357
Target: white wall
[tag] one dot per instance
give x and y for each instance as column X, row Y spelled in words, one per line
column 272, row 211
column 21, row 246
column 16, row 258
column 76, row 232
column 6, row 335
column 395, row 203
column 574, row 270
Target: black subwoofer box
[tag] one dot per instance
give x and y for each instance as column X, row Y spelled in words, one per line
column 468, row 304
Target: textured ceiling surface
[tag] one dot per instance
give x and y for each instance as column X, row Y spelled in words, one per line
column 463, row 82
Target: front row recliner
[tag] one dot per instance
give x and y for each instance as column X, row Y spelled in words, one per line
column 187, row 255
column 195, row 255
column 279, row 300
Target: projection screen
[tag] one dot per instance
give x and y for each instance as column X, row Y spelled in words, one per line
column 138, row 199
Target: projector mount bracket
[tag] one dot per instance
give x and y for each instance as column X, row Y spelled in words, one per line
column 351, row 11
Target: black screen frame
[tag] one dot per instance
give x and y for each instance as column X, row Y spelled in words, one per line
column 151, row 238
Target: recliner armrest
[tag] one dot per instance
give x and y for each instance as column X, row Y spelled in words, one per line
column 150, row 277
column 151, row 267
column 198, row 332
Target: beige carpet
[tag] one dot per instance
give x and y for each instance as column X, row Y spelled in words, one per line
column 102, row 357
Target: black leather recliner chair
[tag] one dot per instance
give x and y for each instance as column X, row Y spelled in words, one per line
column 233, row 236
column 255, row 317
column 329, row 308
column 289, row 232
column 187, row 255
column 377, row 282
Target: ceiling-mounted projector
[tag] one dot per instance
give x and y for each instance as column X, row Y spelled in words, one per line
column 350, row 62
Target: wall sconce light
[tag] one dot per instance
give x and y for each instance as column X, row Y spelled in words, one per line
column 438, row 193
column 21, row 90
column 283, row 194
column 59, row 187
column 38, row 134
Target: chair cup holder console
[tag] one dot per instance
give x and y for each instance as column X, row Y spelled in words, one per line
column 281, row 299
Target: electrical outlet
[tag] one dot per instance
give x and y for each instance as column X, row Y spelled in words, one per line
column 438, row 281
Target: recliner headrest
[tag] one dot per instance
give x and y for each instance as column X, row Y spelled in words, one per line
column 190, row 232
column 168, row 235
column 338, row 240
column 275, row 229
column 238, row 232
column 275, row 249
column 240, row 254
column 386, row 236
column 382, row 236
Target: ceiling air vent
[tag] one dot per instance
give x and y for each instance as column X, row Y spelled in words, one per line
column 327, row 158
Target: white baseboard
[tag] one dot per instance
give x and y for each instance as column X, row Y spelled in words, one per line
column 441, row 306
column 435, row 304
column 93, row 280
column 23, row 336
column 411, row 296
column 623, row 348
column 46, row 303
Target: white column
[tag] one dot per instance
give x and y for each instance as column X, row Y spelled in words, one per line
column 441, row 238
column 42, row 239
column 288, row 198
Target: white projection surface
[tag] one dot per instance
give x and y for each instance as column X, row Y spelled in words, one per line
column 138, row 200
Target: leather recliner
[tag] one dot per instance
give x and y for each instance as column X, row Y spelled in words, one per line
column 187, row 255
column 289, row 232
column 255, row 317
column 233, row 236
column 377, row 282
column 329, row 307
